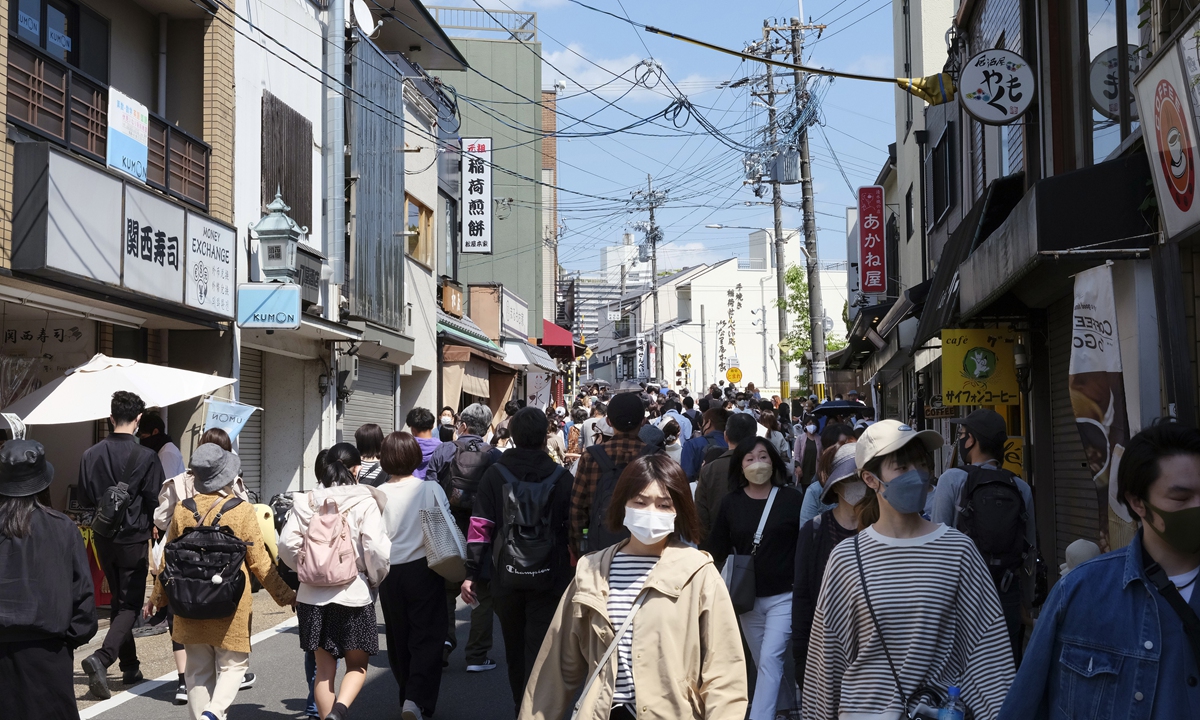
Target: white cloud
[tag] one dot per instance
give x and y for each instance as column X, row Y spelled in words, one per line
column 872, row 65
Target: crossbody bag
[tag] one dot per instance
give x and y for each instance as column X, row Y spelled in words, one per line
column 612, row 647
column 1166, row 588
column 738, row 571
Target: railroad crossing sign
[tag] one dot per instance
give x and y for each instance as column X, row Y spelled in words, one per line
column 685, row 361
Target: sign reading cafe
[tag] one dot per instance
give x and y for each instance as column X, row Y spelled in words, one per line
column 476, row 196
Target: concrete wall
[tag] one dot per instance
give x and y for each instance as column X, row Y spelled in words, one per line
column 132, row 48
column 517, row 240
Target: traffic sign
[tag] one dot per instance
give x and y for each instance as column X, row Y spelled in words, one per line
column 733, row 375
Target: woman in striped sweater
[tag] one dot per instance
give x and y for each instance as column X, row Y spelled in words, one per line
column 907, row 607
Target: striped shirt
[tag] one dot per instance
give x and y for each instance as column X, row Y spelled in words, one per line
column 941, row 620
column 625, row 580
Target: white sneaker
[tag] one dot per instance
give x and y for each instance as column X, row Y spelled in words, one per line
column 487, row 664
column 410, row 711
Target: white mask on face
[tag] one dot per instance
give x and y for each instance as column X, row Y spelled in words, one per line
column 649, row 526
column 447, row 420
column 853, row 491
column 759, row 473
column 810, row 429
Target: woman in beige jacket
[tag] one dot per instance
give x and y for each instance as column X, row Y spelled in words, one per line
column 681, row 656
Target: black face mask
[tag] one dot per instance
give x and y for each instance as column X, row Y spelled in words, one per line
column 962, row 449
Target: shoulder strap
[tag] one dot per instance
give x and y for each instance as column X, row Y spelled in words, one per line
column 602, row 459
column 762, row 521
column 506, row 474
column 1191, row 623
column 816, row 523
column 130, row 464
column 225, row 507
column 641, row 598
column 190, row 505
column 862, row 579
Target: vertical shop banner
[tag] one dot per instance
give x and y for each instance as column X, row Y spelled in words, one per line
column 228, row 415
column 1097, row 387
column 477, row 196
column 128, row 134
column 640, row 365
column 872, row 261
column 978, row 367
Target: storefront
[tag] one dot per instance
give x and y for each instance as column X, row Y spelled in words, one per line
column 472, row 367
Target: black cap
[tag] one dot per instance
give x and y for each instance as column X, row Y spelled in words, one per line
column 626, row 411
column 23, row 468
column 984, row 424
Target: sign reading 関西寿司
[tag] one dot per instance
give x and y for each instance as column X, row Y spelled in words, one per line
column 154, row 228
column 996, row 86
column 269, row 306
column 872, row 259
column 476, row 236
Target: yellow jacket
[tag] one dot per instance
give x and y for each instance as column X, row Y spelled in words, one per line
column 687, row 651
column 231, row 633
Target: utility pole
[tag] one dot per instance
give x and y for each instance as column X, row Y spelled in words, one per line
column 653, row 200
column 703, row 354
column 777, row 207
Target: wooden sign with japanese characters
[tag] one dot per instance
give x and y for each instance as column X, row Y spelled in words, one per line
column 872, row 262
column 476, row 196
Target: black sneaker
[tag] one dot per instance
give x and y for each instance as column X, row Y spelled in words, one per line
column 181, row 694
column 97, row 677
column 484, row 666
column 132, row 678
column 247, row 681
column 446, row 650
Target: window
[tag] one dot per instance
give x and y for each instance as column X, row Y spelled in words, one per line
column 908, row 71
column 418, row 232
column 908, row 213
column 287, row 158
column 941, row 176
column 447, row 232
column 67, row 32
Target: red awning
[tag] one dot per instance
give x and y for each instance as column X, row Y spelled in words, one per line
column 554, row 336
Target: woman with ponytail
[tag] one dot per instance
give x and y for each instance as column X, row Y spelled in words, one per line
column 338, row 622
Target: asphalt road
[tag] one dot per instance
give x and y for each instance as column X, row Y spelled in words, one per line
column 280, row 691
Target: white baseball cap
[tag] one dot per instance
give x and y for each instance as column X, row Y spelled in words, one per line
column 888, row 436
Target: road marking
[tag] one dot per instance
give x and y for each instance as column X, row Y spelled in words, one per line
column 150, row 686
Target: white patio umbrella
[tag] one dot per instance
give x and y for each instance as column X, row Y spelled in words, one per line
column 85, row 392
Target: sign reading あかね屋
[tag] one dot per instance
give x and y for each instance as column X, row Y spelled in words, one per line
column 872, row 260
column 476, row 196
column 211, row 265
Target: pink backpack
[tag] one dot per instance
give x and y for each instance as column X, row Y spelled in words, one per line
column 327, row 554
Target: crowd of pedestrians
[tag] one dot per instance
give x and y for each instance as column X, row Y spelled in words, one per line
column 647, row 554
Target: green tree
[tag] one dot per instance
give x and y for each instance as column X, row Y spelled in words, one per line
column 796, row 304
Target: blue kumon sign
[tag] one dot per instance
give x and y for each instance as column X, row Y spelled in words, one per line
column 271, row 306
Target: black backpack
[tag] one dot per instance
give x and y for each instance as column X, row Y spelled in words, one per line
column 113, row 504
column 203, row 572
column 598, row 534
column 524, row 556
column 991, row 512
column 471, row 459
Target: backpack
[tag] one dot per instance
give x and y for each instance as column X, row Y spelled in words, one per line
column 991, row 512
column 203, row 572
column 471, row 459
column 712, row 452
column 598, row 535
column 525, row 554
column 327, row 556
column 113, row 504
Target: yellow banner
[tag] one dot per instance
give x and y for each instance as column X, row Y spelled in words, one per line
column 1014, row 455
column 978, row 367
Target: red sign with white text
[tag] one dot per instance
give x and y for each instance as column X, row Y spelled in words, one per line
column 872, row 261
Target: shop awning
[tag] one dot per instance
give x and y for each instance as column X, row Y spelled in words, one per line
column 522, row 354
column 1064, row 225
column 464, row 331
column 985, row 215
column 558, row 340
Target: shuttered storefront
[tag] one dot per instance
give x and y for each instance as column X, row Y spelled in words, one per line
column 374, row 398
column 249, row 443
column 1075, row 511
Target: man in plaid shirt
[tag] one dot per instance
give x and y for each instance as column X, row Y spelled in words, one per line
column 626, row 413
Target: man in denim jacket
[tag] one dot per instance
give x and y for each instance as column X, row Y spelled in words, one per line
column 1108, row 644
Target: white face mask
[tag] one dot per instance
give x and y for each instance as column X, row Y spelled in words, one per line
column 810, row 429
column 759, row 473
column 853, row 491
column 649, row 526
column 447, row 420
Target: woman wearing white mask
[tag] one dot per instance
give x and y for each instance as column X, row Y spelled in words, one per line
column 646, row 627
column 845, row 489
column 762, row 518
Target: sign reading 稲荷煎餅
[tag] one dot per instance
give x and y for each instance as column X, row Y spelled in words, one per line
column 476, row 235
column 996, row 86
column 872, row 259
column 128, row 134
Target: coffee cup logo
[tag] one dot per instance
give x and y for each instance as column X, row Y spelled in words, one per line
column 1174, row 145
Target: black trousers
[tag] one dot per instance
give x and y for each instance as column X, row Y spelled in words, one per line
column 525, row 619
column 1010, row 602
column 38, row 680
column 412, row 598
column 125, row 568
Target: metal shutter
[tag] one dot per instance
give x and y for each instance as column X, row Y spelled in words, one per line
column 374, row 398
column 249, row 442
column 1075, row 509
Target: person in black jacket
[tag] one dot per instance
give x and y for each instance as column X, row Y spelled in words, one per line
column 46, row 604
column 123, row 557
column 525, row 615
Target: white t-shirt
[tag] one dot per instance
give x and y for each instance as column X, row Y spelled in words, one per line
column 402, row 516
column 172, row 460
column 1185, row 583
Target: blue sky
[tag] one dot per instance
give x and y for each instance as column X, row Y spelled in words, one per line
column 703, row 177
